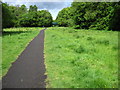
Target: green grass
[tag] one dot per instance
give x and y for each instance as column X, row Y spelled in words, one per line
column 81, row 58
column 0, row 55
column 14, row 41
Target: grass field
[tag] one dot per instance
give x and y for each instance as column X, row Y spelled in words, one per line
column 81, row 58
column 14, row 41
column 0, row 55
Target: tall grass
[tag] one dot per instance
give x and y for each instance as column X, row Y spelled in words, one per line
column 81, row 58
column 14, row 41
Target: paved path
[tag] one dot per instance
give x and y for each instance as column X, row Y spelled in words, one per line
column 28, row 70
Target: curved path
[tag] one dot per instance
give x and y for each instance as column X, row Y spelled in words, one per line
column 28, row 70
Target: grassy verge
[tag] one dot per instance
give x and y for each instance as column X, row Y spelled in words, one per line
column 14, row 41
column 0, row 55
column 81, row 58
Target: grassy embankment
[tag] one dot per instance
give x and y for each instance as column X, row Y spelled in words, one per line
column 81, row 58
column 14, row 41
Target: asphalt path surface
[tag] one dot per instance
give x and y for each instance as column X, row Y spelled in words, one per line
column 28, row 70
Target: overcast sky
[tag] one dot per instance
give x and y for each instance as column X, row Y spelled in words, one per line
column 54, row 6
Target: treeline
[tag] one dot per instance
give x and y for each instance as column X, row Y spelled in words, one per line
column 20, row 16
column 91, row 15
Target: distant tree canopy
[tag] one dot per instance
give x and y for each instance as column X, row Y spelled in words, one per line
column 36, row 19
column 91, row 15
column 45, row 18
column 33, row 8
column 64, row 17
column 15, row 16
column 81, row 15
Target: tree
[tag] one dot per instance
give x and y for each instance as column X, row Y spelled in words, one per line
column 36, row 19
column 33, row 8
column 18, row 11
column 19, row 16
column 23, row 9
column 92, row 15
column 28, row 19
column 115, row 21
column 44, row 18
column 64, row 17
column 7, row 16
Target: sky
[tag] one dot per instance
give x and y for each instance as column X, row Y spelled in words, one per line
column 53, row 6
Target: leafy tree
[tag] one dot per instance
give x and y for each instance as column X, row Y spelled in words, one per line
column 19, row 16
column 64, row 17
column 28, row 19
column 44, row 18
column 115, row 21
column 91, row 15
column 33, row 8
column 7, row 16
column 23, row 9
column 18, row 11
column 36, row 19
column 95, row 15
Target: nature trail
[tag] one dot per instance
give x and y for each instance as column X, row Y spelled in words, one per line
column 28, row 70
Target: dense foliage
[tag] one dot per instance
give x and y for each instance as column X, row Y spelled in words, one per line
column 14, row 16
column 115, row 21
column 7, row 16
column 33, row 8
column 35, row 19
column 64, row 17
column 91, row 15
column 81, row 15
